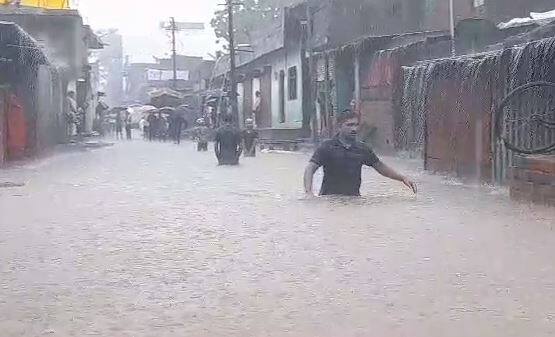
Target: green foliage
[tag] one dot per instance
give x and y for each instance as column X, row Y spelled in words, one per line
column 248, row 16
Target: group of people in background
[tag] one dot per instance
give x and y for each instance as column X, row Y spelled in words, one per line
column 159, row 126
column 230, row 143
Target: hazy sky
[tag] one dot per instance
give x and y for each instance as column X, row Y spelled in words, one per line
column 139, row 20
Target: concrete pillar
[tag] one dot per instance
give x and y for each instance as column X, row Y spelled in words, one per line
column 356, row 61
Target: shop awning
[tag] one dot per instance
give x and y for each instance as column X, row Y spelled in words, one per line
column 16, row 45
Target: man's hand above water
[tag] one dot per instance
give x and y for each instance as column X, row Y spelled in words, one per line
column 388, row 172
column 410, row 184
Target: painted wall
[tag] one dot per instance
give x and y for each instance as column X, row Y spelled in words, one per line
column 49, row 106
column 282, row 61
column 3, row 127
column 111, row 62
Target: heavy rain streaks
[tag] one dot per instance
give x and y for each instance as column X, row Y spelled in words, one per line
column 357, row 168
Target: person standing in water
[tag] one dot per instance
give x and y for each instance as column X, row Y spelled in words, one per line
column 128, row 125
column 179, row 123
column 119, row 125
column 201, row 134
column 257, row 106
column 250, row 139
column 227, row 145
column 152, row 124
column 342, row 159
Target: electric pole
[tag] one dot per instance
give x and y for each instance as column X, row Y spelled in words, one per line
column 232, row 80
column 312, row 122
column 174, row 53
column 452, row 27
column 175, row 27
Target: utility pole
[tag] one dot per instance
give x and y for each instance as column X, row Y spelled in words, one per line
column 175, row 27
column 232, row 65
column 452, row 26
column 174, row 52
column 312, row 123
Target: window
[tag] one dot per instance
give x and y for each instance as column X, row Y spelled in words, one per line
column 395, row 9
column 293, row 83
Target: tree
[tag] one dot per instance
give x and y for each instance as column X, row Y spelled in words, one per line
column 248, row 16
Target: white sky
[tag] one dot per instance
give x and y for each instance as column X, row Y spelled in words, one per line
column 138, row 21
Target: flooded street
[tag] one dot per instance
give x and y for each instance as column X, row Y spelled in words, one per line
column 149, row 239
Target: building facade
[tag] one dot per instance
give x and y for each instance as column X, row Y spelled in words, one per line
column 64, row 43
column 111, row 67
column 276, row 67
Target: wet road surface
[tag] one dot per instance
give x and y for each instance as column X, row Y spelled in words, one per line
column 154, row 240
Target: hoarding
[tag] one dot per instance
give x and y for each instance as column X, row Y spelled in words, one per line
column 49, row 4
column 166, row 75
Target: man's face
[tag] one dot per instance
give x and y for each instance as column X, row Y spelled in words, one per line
column 349, row 129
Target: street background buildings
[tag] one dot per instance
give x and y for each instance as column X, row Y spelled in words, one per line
column 417, row 89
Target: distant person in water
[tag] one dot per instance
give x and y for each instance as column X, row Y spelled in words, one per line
column 201, row 133
column 128, row 125
column 342, row 159
column 227, row 145
column 250, row 139
column 119, row 125
column 177, row 125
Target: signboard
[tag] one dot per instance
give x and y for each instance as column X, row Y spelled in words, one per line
column 166, row 75
column 189, row 25
column 183, row 25
column 49, row 4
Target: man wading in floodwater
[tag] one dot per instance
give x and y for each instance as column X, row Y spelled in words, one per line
column 227, row 144
column 343, row 157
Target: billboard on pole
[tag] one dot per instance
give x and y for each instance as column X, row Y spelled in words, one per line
column 166, row 75
column 183, row 25
column 49, row 4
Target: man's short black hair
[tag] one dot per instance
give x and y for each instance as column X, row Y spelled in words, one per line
column 345, row 115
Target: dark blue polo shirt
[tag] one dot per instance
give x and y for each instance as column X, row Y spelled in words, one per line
column 229, row 139
column 343, row 166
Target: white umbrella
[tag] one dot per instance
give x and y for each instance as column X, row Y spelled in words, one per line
column 139, row 112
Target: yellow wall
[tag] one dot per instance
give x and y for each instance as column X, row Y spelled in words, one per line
column 51, row 4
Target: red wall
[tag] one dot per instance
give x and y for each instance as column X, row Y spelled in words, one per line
column 3, row 131
column 458, row 131
column 17, row 127
column 378, row 74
